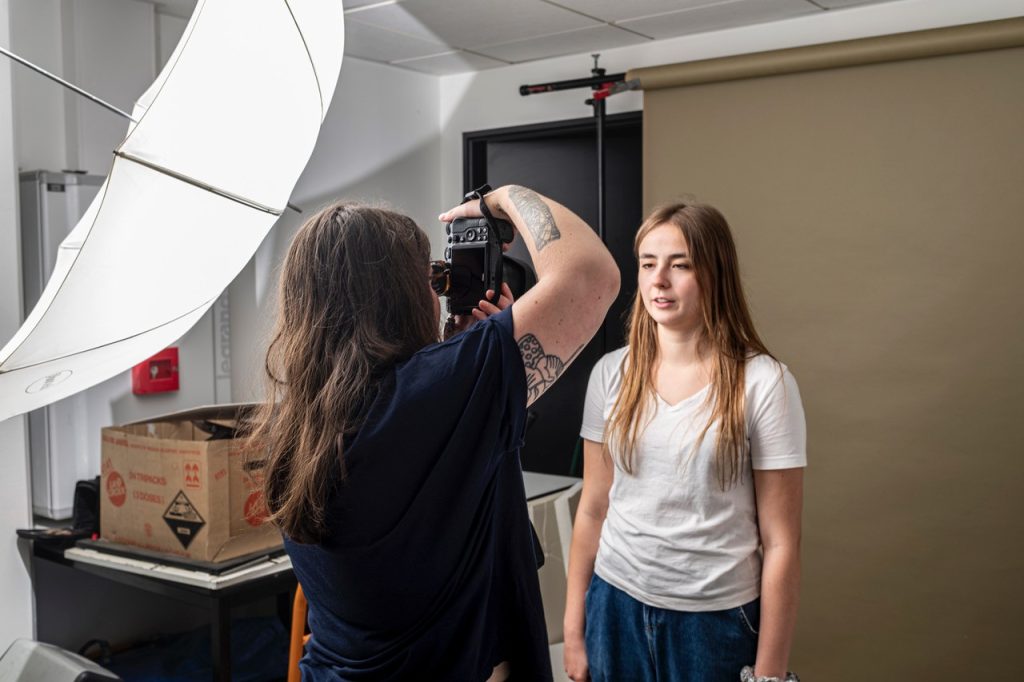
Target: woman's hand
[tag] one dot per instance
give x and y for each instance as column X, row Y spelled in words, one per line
column 483, row 310
column 574, row 657
column 471, row 208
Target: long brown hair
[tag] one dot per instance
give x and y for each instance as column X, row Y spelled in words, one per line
column 354, row 300
column 728, row 333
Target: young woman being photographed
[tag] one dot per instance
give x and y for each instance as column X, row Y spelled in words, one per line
column 685, row 559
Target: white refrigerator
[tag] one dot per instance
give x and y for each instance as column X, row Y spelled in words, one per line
column 59, row 447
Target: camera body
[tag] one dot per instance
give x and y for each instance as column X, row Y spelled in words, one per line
column 474, row 256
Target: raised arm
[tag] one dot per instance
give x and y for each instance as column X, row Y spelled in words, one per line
column 577, row 280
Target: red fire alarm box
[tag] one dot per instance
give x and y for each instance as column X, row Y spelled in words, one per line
column 158, row 374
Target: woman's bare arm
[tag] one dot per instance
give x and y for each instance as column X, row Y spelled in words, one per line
column 577, row 280
column 779, row 508
column 598, row 472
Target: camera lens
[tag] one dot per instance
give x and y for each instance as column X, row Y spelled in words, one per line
column 470, row 235
column 440, row 281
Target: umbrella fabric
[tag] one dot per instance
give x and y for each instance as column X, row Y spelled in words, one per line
column 222, row 136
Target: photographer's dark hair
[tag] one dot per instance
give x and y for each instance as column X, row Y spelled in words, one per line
column 354, row 300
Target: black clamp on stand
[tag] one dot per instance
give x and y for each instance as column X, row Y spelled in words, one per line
column 603, row 85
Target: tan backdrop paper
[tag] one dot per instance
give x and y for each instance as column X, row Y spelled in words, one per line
column 879, row 214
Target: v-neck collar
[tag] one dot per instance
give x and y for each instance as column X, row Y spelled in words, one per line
column 682, row 403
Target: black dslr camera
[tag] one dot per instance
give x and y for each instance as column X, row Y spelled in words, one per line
column 473, row 258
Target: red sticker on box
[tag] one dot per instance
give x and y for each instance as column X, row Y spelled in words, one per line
column 255, row 510
column 117, row 491
column 192, row 475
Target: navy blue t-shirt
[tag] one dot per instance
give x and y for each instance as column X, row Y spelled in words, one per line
column 429, row 572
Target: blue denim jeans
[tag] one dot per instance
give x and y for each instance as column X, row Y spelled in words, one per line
column 628, row 641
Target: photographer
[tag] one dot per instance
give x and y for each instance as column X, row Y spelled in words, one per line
column 393, row 466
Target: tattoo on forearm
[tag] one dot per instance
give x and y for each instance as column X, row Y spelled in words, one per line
column 542, row 369
column 536, row 215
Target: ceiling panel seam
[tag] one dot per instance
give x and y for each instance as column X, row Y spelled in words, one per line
column 603, row 21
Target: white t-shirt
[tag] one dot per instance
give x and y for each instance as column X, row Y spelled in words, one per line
column 672, row 537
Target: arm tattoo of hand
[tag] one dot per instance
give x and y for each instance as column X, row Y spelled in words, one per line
column 542, row 370
column 536, row 215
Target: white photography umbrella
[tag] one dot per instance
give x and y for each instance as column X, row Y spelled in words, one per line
column 216, row 146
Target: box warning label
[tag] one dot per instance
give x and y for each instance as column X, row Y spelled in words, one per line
column 183, row 519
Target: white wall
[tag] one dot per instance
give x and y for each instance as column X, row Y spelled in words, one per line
column 379, row 144
column 490, row 99
column 106, row 35
column 111, row 48
column 15, row 588
column 110, row 51
column 38, row 102
column 168, row 31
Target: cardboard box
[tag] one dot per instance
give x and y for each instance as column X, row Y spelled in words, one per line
column 166, row 486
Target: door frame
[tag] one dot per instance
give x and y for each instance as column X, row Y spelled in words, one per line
column 474, row 143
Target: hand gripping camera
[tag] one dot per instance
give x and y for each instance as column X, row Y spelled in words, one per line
column 473, row 258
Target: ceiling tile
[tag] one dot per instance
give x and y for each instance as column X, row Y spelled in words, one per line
column 469, row 23
column 837, row 4
column 570, row 42
column 722, row 15
column 370, row 42
column 450, row 62
column 617, row 10
column 185, row 7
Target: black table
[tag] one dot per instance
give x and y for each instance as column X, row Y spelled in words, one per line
column 217, row 602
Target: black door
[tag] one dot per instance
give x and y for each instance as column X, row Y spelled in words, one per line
column 559, row 160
